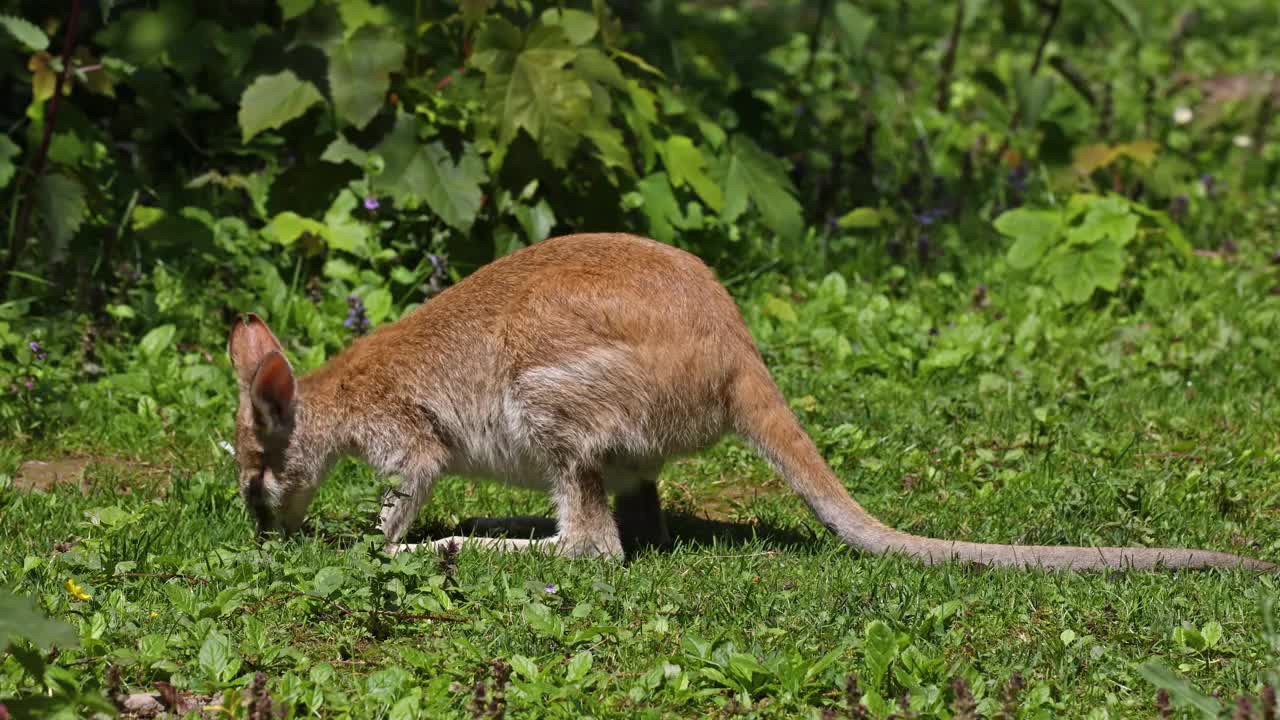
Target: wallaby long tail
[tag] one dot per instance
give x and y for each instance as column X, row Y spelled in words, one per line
column 765, row 419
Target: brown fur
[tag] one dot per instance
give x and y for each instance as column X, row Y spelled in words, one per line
column 579, row 364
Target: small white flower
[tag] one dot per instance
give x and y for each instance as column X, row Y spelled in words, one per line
column 1242, row 141
column 227, row 446
column 1182, row 115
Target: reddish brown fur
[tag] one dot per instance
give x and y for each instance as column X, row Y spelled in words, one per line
column 579, row 364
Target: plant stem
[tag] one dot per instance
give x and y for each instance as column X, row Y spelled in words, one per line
column 1055, row 11
column 17, row 241
column 949, row 58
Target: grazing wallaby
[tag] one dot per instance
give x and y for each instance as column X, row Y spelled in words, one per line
column 579, row 364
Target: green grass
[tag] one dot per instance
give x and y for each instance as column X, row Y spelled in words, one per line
column 755, row 611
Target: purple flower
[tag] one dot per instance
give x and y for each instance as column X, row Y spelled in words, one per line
column 551, row 588
column 29, row 383
column 1017, row 178
column 931, row 216
column 356, row 320
column 37, row 350
column 371, row 202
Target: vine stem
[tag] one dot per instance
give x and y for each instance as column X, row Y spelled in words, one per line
column 17, row 240
column 1055, row 11
column 949, row 58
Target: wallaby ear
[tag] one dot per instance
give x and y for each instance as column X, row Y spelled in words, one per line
column 249, row 344
column 273, row 391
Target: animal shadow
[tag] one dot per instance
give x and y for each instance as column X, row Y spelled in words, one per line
column 686, row 529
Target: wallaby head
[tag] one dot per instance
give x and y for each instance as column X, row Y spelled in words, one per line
column 266, row 441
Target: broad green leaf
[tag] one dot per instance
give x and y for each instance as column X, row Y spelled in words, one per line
column 598, row 67
column 855, row 26
column 19, row 618
column 752, row 174
column 406, row 708
column 1212, row 633
column 863, row 217
column 356, row 14
column 879, row 648
column 43, row 78
column 834, row 288
column 377, row 306
column 1033, row 232
column 288, row 226
column 8, row 151
column 1174, row 233
column 1034, row 94
column 341, row 150
column 290, row 9
column 451, row 190
column 473, row 11
column 578, row 26
column 579, row 666
column 1076, row 273
column 63, row 208
column 610, row 147
column 216, row 656
column 524, row 667
column 329, row 579
column 343, row 231
column 528, row 87
column 543, row 619
column 157, row 340
column 360, row 72
column 340, row 269
column 112, row 515
column 395, row 153
column 945, row 358
column 273, row 100
column 25, row 32
column 1109, row 217
column 686, row 166
column 1181, row 691
column 536, row 220
column 781, row 309
column 660, row 207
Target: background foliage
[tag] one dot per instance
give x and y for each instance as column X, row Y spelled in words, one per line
column 1005, row 225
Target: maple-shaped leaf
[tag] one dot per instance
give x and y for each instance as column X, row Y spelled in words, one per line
column 273, row 100
column 529, row 86
column 753, row 176
column 360, row 72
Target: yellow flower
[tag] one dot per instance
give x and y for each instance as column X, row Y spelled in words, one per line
column 155, row 614
column 75, row 591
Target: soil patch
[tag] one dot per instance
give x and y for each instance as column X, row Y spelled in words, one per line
column 84, row 471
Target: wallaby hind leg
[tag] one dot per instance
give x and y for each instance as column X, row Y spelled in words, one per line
column 638, row 512
column 586, row 527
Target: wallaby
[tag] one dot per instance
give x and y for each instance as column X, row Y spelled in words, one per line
column 579, row 364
